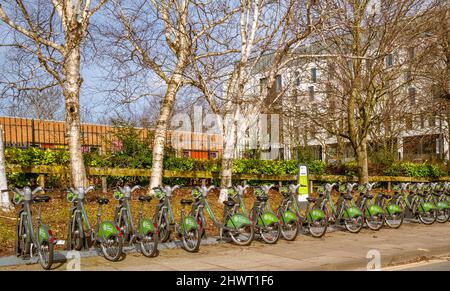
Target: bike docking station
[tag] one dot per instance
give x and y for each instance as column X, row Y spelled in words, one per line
column 304, row 190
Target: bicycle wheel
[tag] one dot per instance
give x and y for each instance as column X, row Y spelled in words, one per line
column 443, row 214
column 271, row 233
column 244, row 235
column 354, row 224
column 76, row 239
column 289, row 230
column 112, row 248
column 318, row 228
column 191, row 240
column 428, row 217
column 394, row 220
column 375, row 222
column 164, row 228
column 46, row 255
column 149, row 244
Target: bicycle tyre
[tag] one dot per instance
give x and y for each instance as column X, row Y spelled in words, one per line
column 112, row 248
column 46, row 256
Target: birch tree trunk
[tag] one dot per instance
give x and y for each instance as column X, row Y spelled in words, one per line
column 160, row 132
column 6, row 205
column 71, row 93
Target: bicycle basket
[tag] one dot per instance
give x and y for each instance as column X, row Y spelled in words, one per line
column 71, row 196
column 259, row 192
column 232, row 192
column 159, row 193
column 196, row 193
column 17, row 198
column 117, row 195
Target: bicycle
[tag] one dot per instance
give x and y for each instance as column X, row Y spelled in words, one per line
column 234, row 224
column 28, row 239
column 344, row 211
column 188, row 230
column 373, row 213
column 446, row 190
column 106, row 235
column 393, row 213
column 145, row 236
column 440, row 200
column 413, row 201
column 314, row 218
column 265, row 221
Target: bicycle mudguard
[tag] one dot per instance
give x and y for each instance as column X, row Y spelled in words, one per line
column 426, row 207
column 315, row 214
column 373, row 210
column 108, row 229
column 146, row 227
column 393, row 209
column 442, row 205
column 352, row 212
column 267, row 218
column 189, row 223
column 238, row 220
column 289, row 216
column 45, row 234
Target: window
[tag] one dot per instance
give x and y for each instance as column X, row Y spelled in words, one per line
column 311, row 93
column 297, row 78
column 278, row 83
column 389, row 60
column 313, row 75
column 432, row 121
column 412, row 96
column 262, row 84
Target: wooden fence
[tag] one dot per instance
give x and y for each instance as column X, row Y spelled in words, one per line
column 125, row 172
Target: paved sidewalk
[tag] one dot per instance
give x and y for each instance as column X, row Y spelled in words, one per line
column 338, row 250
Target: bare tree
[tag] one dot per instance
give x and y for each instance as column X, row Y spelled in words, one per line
column 268, row 32
column 365, row 59
column 54, row 32
column 161, row 37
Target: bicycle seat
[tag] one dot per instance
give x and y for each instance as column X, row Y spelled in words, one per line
column 102, row 201
column 438, row 193
column 312, row 200
column 384, row 195
column 229, row 203
column 186, row 201
column 262, row 198
column 369, row 196
column 144, row 198
column 347, row 197
column 41, row 198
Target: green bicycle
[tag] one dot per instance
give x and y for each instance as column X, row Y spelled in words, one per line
column 288, row 210
column 393, row 212
column 145, row 236
column 344, row 211
column 234, row 224
column 439, row 199
column 373, row 213
column 188, row 230
column 413, row 202
column 266, row 222
column 31, row 240
column 106, row 236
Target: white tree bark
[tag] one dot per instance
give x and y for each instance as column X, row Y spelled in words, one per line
column 5, row 203
column 72, row 100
